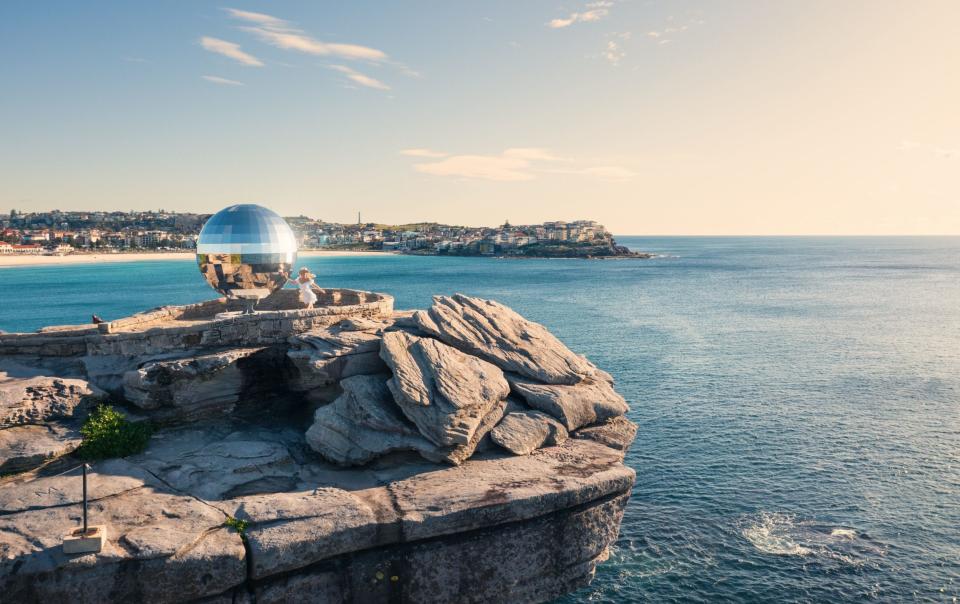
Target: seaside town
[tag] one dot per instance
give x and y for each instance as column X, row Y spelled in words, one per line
column 76, row 232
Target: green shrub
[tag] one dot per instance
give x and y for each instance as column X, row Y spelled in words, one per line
column 108, row 433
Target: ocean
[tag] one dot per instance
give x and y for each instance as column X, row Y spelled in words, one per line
column 798, row 398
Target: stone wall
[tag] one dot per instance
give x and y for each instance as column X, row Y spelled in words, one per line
column 193, row 326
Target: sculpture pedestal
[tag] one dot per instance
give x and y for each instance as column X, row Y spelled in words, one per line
column 78, row 542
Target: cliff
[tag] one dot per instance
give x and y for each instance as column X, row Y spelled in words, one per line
column 343, row 453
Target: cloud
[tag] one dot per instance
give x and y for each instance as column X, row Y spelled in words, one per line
column 483, row 167
column 219, row 80
column 613, row 53
column 422, row 153
column 512, row 165
column 594, row 12
column 261, row 18
column 282, row 34
column 229, row 49
column 358, row 78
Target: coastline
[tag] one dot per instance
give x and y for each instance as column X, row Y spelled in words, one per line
column 15, row 261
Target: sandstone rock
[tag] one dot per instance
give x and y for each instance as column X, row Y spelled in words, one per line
column 107, row 478
column 32, row 399
column 485, row 492
column 189, row 388
column 162, row 547
column 589, row 402
column 212, row 462
column 510, row 528
column 445, row 392
column 364, row 423
column 617, row 433
column 323, row 357
column 522, row 432
column 460, row 453
column 26, row 447
column 499, row 335
column 292, row 530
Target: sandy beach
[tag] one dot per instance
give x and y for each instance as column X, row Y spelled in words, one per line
column 13, row 261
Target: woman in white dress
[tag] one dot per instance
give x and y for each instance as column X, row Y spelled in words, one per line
column 305, row 283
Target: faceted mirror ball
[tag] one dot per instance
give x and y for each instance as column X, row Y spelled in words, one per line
column 246, row 251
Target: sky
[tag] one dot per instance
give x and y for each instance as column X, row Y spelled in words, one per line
column 659, row 118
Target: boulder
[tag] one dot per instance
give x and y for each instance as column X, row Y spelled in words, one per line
column 445, row 392
column 589, row 402
column 499, row 335
column 189, row 388
column 364, row 423
column 522, row 432
column 460, row 453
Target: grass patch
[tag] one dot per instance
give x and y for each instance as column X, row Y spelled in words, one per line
column 107, row 433
column 238, row 525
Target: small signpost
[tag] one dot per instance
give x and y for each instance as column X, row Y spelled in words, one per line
column 84, row 539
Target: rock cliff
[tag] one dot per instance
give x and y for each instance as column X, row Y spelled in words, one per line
column 456, row 454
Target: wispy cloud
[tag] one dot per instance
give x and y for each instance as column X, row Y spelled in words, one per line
column 420, row 152
column 593, row 11
column 261, row 18
column 223, row 81
column 358, row 78
column 512, row 165
column 282, row 34
column 231, row 50
column 674, row 27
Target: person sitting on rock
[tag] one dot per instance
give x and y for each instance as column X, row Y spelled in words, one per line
column 306, row 284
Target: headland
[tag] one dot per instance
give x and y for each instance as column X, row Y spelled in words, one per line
column 349, row 451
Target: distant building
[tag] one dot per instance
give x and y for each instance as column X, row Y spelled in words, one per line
column 28, row 249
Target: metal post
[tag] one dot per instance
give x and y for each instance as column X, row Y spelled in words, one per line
column 84, row 500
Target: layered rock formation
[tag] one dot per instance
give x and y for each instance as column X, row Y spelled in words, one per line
column 371, row 456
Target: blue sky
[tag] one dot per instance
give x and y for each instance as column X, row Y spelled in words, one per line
column 653, row 117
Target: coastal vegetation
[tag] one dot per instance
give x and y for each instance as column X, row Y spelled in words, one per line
column 108, row 433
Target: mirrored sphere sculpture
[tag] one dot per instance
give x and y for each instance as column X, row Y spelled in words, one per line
column 246, row 252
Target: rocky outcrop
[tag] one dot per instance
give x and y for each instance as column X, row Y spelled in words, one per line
column 323, row 357
column 40, row 415
column 493, row 460
column 445, row 392
column 364, row 423
column 499, row 335
column 33, row 399
column 189, row 388
column 589, row 402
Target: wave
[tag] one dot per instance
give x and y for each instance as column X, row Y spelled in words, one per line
column 772, row 533
column 782, row 534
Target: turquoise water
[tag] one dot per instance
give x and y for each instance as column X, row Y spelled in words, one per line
column 798, row 398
